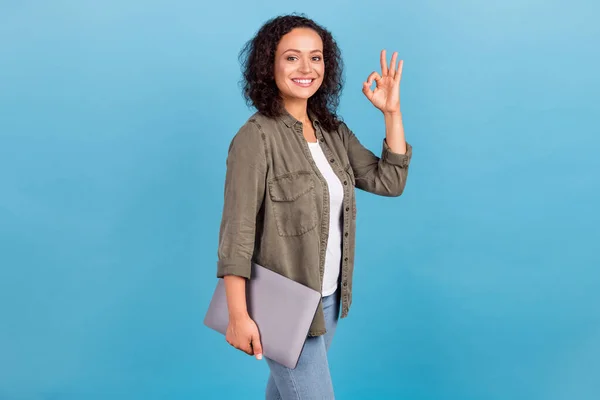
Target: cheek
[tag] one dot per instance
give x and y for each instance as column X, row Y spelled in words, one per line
column 281, row 75
column 320, row 69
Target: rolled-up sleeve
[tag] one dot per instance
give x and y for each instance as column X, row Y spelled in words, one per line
column 385, row 175
column 243, row 196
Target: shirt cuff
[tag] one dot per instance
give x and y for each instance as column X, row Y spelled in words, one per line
column 239, row 267
column 401, row 160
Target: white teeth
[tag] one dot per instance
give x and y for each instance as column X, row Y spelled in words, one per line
column 303, row 80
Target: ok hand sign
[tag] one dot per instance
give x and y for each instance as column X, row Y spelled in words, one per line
column 386, row 96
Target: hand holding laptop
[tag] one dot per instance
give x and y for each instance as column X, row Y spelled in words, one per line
column 275, row 321
column 242, row 333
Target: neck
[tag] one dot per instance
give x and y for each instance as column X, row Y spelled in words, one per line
column 298, row 109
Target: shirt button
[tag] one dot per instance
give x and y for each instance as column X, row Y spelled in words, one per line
column 345, row 284
column 332, row 160
column 345, row 182
column 346, row 234
column 346, row 259
column 347, row 208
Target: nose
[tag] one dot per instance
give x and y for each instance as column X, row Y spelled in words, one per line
column 305, row 66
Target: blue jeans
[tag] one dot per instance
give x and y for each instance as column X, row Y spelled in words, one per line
column 311, row 378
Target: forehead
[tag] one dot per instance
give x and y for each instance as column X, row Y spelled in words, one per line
column 303, row 39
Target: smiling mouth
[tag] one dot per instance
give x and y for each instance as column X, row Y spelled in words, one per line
column 303, row 82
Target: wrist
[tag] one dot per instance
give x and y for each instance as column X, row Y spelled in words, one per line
column 393, row 114
column 236, row 315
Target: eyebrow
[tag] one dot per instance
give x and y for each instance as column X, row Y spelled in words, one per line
column 298, row 51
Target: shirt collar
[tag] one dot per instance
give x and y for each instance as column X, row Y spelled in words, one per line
column 290, row 121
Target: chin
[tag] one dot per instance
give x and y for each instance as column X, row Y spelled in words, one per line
column 304, row 95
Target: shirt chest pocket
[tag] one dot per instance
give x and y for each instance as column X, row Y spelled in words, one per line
column 293, row 199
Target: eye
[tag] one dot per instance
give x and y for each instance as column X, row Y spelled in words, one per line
column 318, row 58
column 288, row 58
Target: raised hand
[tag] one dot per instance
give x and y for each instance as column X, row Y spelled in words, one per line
column 386, row 96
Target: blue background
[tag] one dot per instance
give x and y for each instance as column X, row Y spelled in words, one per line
column 480, row 282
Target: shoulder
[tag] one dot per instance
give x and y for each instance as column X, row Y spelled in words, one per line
column 343, row 132
column 343, row 128
column 257, row 126
column 250, row 131
column 263, row 130
column 265, row 125
column 248, row 138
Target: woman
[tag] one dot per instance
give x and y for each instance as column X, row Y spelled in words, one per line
column 289, row 190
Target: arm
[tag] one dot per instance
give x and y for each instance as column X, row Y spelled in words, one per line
column 385, row 175
column 244, row 193
column 242, row 332
column 235, row 290
column 243, row 197
column 394, row 132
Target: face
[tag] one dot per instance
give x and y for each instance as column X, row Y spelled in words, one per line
column 299, row 65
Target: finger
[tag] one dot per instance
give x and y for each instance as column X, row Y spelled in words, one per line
column 257, row 347
column 398, row 76
column 367, row 85
column 393, row 65
column 373, row 76
column 247, row 349
column 384, row 68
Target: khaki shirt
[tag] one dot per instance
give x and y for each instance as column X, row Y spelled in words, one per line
column 276, row 203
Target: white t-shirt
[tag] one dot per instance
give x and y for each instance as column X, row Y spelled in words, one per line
column 333, row 255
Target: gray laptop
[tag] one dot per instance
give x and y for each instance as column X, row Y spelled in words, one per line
column 281, row 308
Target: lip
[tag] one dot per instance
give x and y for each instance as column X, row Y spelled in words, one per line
column 304, row 85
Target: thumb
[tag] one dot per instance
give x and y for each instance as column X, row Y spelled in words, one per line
column 257, row 346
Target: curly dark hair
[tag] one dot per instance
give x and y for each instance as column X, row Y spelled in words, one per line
column 257, row 58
